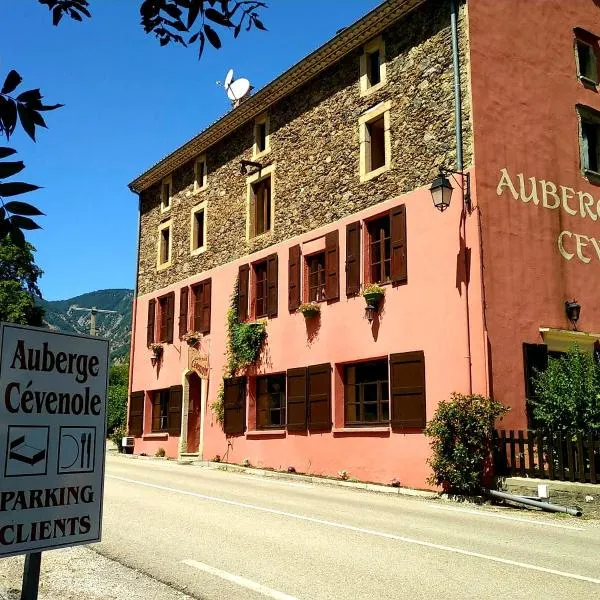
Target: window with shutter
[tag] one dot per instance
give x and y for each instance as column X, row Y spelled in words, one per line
column 270, row 401
column 366, row 393
column 332, row 280
column 294, row 278
column 535, row 359
column 399, row 266
column 160, row 411
column 316, row 277
column 243, row 286
column 151, row 321
column 319, row 396
column 261, row 289
column 183, row 311
column 380, row 259
column 296, row 399
column 175, row 408
column 353, row 258
column 136, row 414
column 162, row 318
column 234, row 405
column 202, row 306
column 407, row 386
column 272, row 285
column 167, row 316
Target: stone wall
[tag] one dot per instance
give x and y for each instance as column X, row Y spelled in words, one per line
column 315, row 147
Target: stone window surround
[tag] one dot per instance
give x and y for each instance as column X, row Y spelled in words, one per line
column 167, row 224
column 200, row 185
column 203, row 206
column 166, row 206
column 590, row 41
column 381, row 109
column 266, row 120
column 375, row 44
column 560, row 340
column 590, row 115
column 250, row 181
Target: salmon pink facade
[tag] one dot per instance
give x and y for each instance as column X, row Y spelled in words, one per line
column 317, row 187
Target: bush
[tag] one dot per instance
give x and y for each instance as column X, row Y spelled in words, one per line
column 568, row 393
column 116, row 410
column 117, row 435
column 160, row 453
column 461, row 436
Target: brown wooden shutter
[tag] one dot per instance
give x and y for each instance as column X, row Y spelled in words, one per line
column 398, row 243
column 136, row 414
column 183, row 311
column 535, row 359
column 319, row 396
column 175, row 408
column 332, row 278
column 353, row 258
column 205, row 292
column 296, row 399
column 294, row 278
column 407, row 386
column 272, row 285
column 162, row 316
column 234, row 405
column 151, row 322
column 244, row 281
column 170, row 317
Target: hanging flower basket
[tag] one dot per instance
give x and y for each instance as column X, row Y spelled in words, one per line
column 310, row 309
column 372, row 293
column 192, row 338
column 157, row 350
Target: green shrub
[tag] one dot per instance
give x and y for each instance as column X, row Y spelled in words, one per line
column 116, row 410
column 461, row 436
column 160, row 453
column 568, row 393
column 116, row 436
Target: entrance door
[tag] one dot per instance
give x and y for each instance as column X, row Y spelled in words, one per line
column 194, row 413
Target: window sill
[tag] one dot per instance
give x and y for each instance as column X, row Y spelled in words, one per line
column 587, row 82
column 263, row 235
column 201, row 188
column 261, row 154
column 258, row 433
column 359, row 430
column 163, row 266
column 198, row 251
column 592, row 176
column 372, row 174
column 367, row 91
column 159, row 435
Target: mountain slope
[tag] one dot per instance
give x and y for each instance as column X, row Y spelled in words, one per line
column 116, row 327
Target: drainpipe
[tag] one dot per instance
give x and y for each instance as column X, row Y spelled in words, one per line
column 459, row 167
column 135, row 295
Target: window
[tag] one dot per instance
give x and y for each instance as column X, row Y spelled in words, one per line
column 366, row 393
column 260, row 198
column 166, row 410
column 309, row 398
column 375, row 142
column 380, row 263
column 135, row 422
column 316, row 277
column 198, row 231
column 586, row 62
column 270, row 401
column 151, row 322
column 166, row 308
column 200, row 173
column 202, row 301
column 234, row 405
column 164, row 245
column 183, row 311
column 165, row 194
column 261, row 193
column 407, row 390
column 372, row 67
column 590, row 140
column 260, row 289
column 160, row 410
column 261, row 136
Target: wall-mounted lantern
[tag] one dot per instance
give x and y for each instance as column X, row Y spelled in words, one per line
column 441, row 189
column 572, row 310
column 370, row 310
column 244, row 164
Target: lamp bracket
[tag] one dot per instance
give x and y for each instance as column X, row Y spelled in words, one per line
column 466, row 184
column 244, row 164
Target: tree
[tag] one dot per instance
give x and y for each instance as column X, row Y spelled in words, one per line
column 568, row 393
column 118, row 380
column 18, row 284
column 168, row 20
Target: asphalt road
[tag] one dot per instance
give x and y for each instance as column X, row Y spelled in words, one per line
column 220, row 535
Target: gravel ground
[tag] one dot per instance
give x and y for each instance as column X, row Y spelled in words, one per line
column 81, row 574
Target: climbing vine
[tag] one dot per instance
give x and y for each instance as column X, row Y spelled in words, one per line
column 244, row 345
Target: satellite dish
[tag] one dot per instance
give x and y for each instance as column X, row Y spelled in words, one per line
column 228, row 78
column 237, row 89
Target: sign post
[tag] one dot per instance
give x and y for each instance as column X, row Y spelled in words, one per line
column 53, row 391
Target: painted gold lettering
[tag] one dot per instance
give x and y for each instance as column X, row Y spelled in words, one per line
column 561, row 247
column 596, row 246
column 532, row 195
column 505, row 181
column 586, row 205
column 579, row 248
column 567, row 194
column 549, row 190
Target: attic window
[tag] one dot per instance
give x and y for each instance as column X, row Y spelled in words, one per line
column 165, row 194
column 372, row 67
column 200, row 175
column 261, row 135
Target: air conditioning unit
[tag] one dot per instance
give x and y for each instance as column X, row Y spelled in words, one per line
column 127, row 443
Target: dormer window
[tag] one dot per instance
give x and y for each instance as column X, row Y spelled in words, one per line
column 165, row 194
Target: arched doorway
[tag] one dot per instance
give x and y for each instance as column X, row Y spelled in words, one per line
column 194, row 412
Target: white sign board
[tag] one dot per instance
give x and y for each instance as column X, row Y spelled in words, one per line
column 53, row 394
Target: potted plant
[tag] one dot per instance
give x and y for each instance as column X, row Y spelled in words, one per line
column 372, row 293
column 157, row 350
column 310, row 309
column 192, row 338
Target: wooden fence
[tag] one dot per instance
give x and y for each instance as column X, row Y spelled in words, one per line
column 548, row 455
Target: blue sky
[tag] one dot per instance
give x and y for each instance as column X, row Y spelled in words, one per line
column 128, row 102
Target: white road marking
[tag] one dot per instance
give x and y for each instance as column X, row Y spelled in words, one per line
column 381, row 534
column 487, row 513
column 241, row 581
